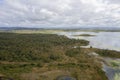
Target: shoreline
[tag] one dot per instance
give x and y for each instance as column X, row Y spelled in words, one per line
column 80, row 61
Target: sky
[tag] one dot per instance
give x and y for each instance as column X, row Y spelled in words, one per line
column 59, row 13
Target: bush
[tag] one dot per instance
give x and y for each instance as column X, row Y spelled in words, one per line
column 73, row 52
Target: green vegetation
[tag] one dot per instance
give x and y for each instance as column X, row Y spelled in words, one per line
column 43, row 31
column 114, row 64
column 29, row 47
column 45, row 57
column 107, row 53
column 72, row 52
column 87, row 35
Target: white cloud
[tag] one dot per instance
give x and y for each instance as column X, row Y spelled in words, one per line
column 67, row 13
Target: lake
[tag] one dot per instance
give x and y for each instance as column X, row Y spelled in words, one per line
column 102, row 40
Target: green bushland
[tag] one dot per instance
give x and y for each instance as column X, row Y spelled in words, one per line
column 107, row 53
column 72, row 52
column 45, row 57
column 29, row 47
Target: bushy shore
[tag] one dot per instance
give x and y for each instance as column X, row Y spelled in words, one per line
column 48, row 56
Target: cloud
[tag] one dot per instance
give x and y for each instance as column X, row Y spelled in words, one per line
column 64, row 13
column 114, row 1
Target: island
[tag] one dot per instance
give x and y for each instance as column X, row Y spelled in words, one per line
column 85, row 35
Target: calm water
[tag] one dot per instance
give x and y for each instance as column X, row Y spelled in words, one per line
column 102, row 40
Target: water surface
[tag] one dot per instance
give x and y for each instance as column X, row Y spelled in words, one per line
column 102, row 40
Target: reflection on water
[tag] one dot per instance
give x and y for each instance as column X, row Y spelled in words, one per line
column 113, row 70
column 103, row 40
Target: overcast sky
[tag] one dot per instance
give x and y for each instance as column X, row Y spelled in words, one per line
column 60, row 13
